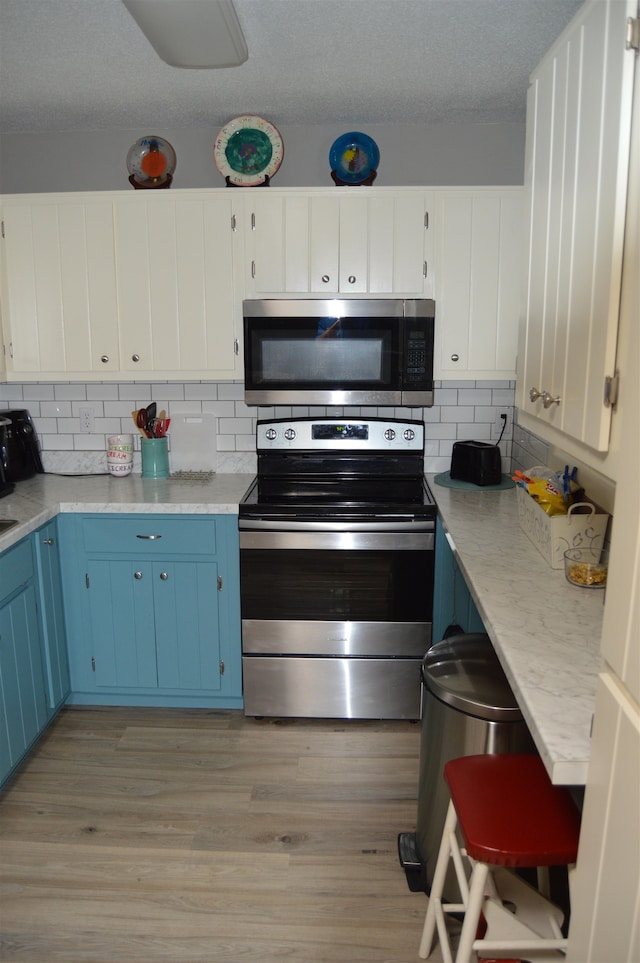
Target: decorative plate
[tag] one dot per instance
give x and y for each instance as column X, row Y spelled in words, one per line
column 354, row 157
column 247, row 150
column 151, row 162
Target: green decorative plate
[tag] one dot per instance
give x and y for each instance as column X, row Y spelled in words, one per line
column 247, row 150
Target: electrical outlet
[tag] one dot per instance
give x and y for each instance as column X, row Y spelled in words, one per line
column 86, row 420
column 502, row 419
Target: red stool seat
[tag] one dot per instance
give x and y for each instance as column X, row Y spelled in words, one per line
column 509, row 812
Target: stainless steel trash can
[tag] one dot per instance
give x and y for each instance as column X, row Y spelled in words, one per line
column 468, row 708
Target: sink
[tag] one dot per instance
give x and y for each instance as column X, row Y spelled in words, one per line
column 6, row 524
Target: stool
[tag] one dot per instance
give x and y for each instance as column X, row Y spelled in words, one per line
column 510, row 816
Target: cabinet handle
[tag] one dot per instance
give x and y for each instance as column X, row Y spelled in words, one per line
column 47, row 541
column 137, row 575
column 105, row 359
column 135, row 357
column 253, row 222
column 425, row 270
column 534, row 394
column 325, row 278
column 548, row 399
column 163, row 576
column 253, row 270
column 426, row 220
column 151, row 538
column 455, row 357
column 352, row 279
column 233, row 222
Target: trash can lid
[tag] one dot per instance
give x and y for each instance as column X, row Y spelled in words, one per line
column 464, row 672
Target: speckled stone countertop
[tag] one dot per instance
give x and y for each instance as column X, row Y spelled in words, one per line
column 37, row 500
column 545, row 631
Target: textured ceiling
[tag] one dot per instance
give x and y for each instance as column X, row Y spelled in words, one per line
column 85, row 64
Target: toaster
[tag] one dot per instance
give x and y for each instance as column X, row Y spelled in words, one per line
column 477, row 462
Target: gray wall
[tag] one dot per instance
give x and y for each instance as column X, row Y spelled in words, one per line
column 481, row 154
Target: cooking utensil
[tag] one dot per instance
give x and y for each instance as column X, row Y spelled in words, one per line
column 134, row 416
column 150, row 418
column 141, row 422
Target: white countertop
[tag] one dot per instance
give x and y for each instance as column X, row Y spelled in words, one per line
column 545, row 631
column 37, row 500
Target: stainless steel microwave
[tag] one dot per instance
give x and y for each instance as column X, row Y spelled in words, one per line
column 339, row 352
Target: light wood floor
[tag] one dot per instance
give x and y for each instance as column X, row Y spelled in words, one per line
column 171, row 835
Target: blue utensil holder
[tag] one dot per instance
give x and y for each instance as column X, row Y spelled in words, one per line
column 155, row 457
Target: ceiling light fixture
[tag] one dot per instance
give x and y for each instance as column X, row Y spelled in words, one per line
column 202, row 34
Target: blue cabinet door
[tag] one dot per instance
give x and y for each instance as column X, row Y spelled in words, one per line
column 22, row 689
column 52, row 619
column 187, row 625
column 122, row 623
column 452, row 601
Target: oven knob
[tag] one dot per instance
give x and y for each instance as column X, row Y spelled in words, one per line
column 271, row 434
column 290, row 434
column 389, row 434
column 409, row 434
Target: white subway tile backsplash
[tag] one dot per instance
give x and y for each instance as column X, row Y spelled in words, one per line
column 463, row 410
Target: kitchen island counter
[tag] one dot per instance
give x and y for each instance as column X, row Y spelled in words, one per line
column 39, row 499
column 545, row 631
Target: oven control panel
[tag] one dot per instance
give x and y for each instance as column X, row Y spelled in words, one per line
column 358, row 434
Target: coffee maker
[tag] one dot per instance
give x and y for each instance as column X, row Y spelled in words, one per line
column 19, row 448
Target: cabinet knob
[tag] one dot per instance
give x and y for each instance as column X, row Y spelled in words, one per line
column 47, row 541
column 352, row 279
column 325, row 278
column 163, row 576
column 534, row 394
column 137, row 575
column 105, row 359
column 455, row 357
column 548, row 399
column 135, row 357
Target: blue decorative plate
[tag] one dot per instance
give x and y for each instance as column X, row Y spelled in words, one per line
column 354, row 156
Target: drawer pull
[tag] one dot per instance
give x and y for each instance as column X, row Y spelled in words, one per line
column 150, row 537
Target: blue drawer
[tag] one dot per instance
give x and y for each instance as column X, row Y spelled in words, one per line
column 150, row 535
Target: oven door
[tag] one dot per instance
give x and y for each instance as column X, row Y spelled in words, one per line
column 335, row 624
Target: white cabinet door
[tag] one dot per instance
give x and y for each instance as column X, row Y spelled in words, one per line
column 59, row 288
column 578, row 135
column 351, row 241
column 177, row 307
column 478, row 254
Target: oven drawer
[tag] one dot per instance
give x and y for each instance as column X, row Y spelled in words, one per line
column 332, row 688
column 391, row 640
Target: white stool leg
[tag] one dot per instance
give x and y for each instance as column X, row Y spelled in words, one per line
column 472, row 913
column 438, row 882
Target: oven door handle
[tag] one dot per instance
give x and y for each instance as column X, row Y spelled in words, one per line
column 392, row 523
column 378, row 541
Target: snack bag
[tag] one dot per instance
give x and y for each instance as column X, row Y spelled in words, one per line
column 547, row 496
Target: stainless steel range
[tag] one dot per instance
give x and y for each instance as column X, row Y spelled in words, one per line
column 336, row 569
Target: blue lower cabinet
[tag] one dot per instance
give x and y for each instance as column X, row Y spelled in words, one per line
column 452, row 601
column 23, row 704
column 163, row 611
column 52, row 621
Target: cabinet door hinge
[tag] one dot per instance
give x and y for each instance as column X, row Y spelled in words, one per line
column 611, row 388
column 633, row 33
column 219, row 583
column 86, row 580
column 221, row 667
column 93, row 664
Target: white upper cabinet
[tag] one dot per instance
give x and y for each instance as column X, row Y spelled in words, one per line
column 59, row 286
column 352, row 241
column 577, row 153
column 478, row 246
column 177, row 306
